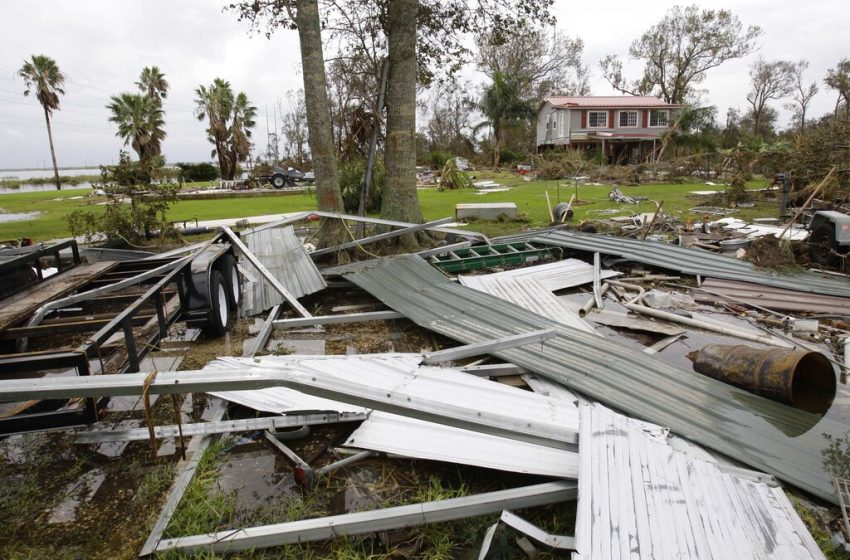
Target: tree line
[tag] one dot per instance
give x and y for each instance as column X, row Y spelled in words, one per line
column 405, row 47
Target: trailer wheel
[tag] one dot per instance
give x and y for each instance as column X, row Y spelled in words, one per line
column 219, row 313
column 233, row 280
column 822, row 243
column 278, row 181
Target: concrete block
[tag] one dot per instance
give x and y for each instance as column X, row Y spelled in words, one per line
column 486, row 210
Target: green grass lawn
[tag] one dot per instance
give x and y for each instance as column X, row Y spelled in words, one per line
column 530, row 198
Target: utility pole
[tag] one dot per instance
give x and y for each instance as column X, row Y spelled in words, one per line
column 276, row 130
column 268, row 136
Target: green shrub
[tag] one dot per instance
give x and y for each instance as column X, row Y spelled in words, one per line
column 507, row 157
column 438, row 159
column 191, row 172
column 351, row 174
column 136, row 208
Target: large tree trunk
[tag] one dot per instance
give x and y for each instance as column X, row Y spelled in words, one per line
column 52, row 150
column 320, row 136
column 400, row 201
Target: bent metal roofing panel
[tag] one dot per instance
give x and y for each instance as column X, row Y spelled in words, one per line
column 764, row 434
column 688, row 261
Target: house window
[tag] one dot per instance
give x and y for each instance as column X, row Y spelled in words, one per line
column 658, row 117
column 597, row 119
column 628, row 119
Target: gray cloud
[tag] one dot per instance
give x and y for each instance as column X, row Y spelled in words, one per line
column 103, row 45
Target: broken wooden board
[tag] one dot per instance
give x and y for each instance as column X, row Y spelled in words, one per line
column 22, row 304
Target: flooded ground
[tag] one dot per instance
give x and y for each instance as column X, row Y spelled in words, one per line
column 6, row 217
column 20, row 176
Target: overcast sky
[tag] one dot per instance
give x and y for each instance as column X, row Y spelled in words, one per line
column 103, row 45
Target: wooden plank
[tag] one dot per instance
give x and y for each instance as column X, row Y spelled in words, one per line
column 23, row 304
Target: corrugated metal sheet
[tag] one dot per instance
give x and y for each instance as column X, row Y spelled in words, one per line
column 772, row 298
column 526, row 292
column 632, row 321
column 764, row 434
column 553, row 276
column 640, row 499
column 282, row 254
column 689, row 261
column 391, row 433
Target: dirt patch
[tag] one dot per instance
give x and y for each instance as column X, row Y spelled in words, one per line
column 770, row 252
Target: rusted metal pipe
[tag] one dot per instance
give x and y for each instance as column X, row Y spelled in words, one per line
column 804, row 380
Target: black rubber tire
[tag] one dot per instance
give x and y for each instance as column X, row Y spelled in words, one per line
column 218, row 318
column 227, row 265
column 822, row 243
column 278, row 181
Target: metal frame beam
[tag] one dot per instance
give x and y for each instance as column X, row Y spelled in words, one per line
column 392, row 223
column 275, row 283
column 381, row 236
column 324, row 528
column 494, row 370
column 262, row 339
column 487, row 346
column 337, row 319
column 222, row 427
column 432, row 409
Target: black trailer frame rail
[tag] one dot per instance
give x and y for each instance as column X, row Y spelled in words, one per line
column 26, row 256
column 89, row 358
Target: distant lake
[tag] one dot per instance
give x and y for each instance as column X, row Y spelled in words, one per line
column 37, row 173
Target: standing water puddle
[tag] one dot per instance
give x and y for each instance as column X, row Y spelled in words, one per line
column 17, row 216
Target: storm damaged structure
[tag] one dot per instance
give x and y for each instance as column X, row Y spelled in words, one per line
column 549, row 369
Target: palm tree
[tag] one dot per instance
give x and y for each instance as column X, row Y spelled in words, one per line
column 140, row 122
column 503, row 104
column 153, row 83
column 240, row 129
column 42, row 75
column 230, row 119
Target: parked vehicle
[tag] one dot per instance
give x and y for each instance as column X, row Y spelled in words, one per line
column 281, row 178
column 830, row 237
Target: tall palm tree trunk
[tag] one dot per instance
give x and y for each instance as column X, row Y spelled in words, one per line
column 221, row 153
column 320, row 136
column 400, row 201
column 52, row 150
column 497, row 146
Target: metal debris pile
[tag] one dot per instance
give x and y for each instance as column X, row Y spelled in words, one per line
column 678, row 397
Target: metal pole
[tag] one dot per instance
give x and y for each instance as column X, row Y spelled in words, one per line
column 370, row 162
column 597, row 279
column 324, row 528
column 786, row 191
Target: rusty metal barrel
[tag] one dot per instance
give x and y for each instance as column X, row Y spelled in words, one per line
column 804, row 380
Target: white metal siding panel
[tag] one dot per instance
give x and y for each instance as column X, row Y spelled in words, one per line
column 408, row 437
column 397, row 434
column 282, row 254
column 526, row 292
column 645, row 500
column 554, row 276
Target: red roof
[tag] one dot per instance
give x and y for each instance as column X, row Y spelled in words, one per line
column 607, row 101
